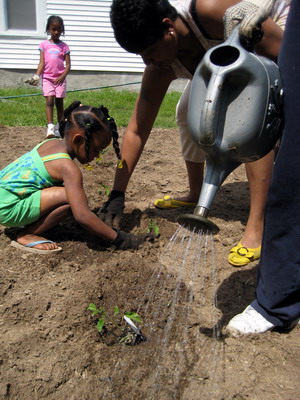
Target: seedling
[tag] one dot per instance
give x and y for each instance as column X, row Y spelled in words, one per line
column 89, row 167
column 106, row 188
column 101, row 153
column 153, row 228
column 109, row 323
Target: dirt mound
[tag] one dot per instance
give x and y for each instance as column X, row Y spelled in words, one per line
column 49, row 344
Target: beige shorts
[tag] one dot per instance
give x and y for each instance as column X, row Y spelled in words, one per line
column 190, row 150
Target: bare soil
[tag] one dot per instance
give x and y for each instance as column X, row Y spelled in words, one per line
column 49, row 344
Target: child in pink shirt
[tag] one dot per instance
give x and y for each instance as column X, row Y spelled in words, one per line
column 54, row 65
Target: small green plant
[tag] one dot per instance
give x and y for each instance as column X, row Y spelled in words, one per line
column 105, row 319
column 101, row 153
column 153, row 228
column 106, row 188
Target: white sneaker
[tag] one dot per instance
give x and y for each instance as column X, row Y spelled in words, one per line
column 56, row 131
column 50, row 130
column 249, row 321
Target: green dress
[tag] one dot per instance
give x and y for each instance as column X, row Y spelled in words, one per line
column 21, row 183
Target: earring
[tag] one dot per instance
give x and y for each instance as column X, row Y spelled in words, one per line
column 171, row 32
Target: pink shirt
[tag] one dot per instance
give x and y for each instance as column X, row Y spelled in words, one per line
column 54, row 56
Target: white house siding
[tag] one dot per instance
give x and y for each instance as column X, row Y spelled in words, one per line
column 88, row 33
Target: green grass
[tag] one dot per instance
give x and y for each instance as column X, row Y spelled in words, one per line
column 30, row 110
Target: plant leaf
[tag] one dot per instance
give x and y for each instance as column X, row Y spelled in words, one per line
column 133, row 315
column 92, row 307
column 153, row 228
column 100, row 324
column 116, row 310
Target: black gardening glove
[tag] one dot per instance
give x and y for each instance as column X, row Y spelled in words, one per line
column 112, row 210
column 126, row 240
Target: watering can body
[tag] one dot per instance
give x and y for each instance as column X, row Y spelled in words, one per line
column 234, row 112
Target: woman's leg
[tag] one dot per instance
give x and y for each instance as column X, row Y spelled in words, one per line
column 259, row 177
column 277, row 302
column 278, row 285
column 54, row 209
column 194, row 157
column 195, row 177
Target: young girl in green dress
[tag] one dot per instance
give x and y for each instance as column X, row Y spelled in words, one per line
column 44, row 186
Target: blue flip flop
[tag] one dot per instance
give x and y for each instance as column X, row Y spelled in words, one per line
column 31, row 249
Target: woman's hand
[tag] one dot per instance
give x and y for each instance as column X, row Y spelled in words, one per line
column 249, row 14
column 112, row 210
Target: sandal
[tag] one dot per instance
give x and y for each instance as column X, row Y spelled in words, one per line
column 240, row 255
column 167, row 202
column 31, row 249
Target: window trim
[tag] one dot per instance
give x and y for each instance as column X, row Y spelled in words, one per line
column 41, row 18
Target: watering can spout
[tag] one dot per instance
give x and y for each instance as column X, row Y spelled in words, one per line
column 198, row 223
column 234, row 116
column 216, row 172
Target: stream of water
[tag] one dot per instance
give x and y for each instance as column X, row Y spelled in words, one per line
column 182, row 286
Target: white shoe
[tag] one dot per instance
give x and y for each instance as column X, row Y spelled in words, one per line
column 249, row 321
column 50, row 130
column 56, row 131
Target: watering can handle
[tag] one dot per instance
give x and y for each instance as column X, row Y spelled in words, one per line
column 211, row 108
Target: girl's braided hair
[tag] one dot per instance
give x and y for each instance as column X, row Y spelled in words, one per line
column 90, row 119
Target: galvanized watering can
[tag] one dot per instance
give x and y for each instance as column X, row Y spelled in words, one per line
column 234, row 115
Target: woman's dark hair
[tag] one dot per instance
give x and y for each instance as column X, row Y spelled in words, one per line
column 53, row 19
column 90, row 119
column 137, row 24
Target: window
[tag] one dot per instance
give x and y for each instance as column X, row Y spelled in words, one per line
column 22, row 17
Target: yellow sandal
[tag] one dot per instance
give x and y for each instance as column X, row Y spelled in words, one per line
column 167, row 202
column 240, row 255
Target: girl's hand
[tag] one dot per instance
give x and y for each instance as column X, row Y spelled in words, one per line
column 34, row 81
column 59, row 80
column 126, row 240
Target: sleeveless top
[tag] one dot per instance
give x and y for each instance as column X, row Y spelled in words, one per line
column 28, row 174
column 186, row 10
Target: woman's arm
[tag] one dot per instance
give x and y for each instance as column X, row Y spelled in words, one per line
column 154, row 87
column 270, row 44
column 210, row 15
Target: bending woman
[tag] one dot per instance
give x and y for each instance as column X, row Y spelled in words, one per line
column 172, row 41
